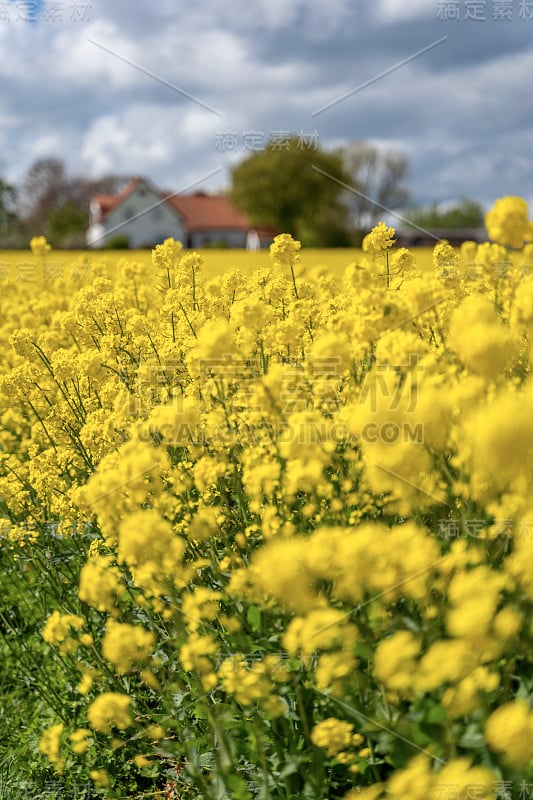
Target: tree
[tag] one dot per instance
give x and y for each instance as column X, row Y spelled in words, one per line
column 44, row 189
column 81, row 189
column 67, row 223
column 292, row 188
column 56, row 204
column 376, row 180
column 8, row 196
column 463, row 214
column 12, row 235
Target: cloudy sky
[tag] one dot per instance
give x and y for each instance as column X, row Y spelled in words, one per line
column 178, row 92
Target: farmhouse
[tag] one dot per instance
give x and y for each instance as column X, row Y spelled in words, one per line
column 144, row 216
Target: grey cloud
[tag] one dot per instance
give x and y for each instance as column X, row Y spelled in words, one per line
column 461, row 111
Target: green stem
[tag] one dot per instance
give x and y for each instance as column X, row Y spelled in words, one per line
column 188, row 322
column 194, row 303
column 294, row 283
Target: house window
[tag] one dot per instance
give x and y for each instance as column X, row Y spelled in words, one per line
column 128, row 212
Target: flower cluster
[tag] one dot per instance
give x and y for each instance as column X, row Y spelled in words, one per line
column 507, row 222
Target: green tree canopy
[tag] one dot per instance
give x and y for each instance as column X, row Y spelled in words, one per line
column 295, row 189
column 64, row 221
column 464, row 214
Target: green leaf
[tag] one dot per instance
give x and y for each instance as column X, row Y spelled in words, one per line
column 472, row 738
column 237, row 787
column 178, row 698
column 253, row 617
column 364, row 650
column 292, row 765
column 436, row 714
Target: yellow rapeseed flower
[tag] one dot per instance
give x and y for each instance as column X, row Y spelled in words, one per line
column 126, row 645
column 39, row 246
column 333, row 735
column 507, row 221
column 509, row 731
column 50, row 745
column 379, row 239
column 109, row 710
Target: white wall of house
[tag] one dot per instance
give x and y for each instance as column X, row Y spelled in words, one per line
column 95, row 235
column 142, row 217
column 230, row 238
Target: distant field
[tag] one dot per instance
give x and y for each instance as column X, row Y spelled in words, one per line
column 21, row 264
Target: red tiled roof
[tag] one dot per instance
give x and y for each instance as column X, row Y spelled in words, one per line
column 202, row 211
column 108, row 201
